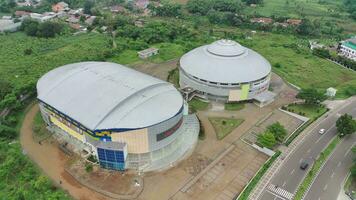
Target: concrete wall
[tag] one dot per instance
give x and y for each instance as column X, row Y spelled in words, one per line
column 243, row 91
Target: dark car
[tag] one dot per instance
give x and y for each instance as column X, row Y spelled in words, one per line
column 304, row 165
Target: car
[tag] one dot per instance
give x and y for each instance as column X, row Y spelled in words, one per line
column 304, row 165
column 322, row 131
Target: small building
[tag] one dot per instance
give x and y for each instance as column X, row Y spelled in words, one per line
column 8, row 25
column 347, row 48
column 261, row 20
column 90, row 20
column 294, row 22
column 331, row 92
column 73, row 19
column 117, row 9
column 139, row 23
column 142, row 4
column 148, row 52
column 20, row 13
column 7, row 17
column 61, row 6
column 315, row 45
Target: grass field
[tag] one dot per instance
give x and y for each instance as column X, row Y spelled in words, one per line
column 224, row 126
column 234, row 106
column 311, row 111
column 299, row 66
column 196, row 104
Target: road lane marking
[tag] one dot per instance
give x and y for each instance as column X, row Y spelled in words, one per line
column 325, row 187
column 308, row 151
column 292, row 172
column 284, row 184
column 278, row 191
column 332, row 175
column 301, row 160
column 338, row 164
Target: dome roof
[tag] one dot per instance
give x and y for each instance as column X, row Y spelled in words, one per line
column 226, row 48
column 102, row 96
column 225, row 61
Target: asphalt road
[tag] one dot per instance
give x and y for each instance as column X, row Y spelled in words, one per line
column 290, row 175
column 330, row 180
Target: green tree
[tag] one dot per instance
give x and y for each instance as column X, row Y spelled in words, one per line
column 88, row 5
column 311, row 96
column 306, row 28
column 321, row 52
column 49, row 29
column 267, row 139
column 278, row 131
column 345, row 125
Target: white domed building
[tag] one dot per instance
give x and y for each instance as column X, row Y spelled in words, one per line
column 127, row 119
column 226, row 71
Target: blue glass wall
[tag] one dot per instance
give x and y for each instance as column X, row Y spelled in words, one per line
column 111, row 159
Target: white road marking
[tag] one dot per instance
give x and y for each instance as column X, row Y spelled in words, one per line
column 278, row 191
column 308, row 150
column 338, row 164
column 292, row 172
column 325, row 187
column 301, row 160
column 318, row 140
column 332, row 175
column 284, row 184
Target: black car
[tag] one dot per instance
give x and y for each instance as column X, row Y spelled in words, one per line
column 304, row 165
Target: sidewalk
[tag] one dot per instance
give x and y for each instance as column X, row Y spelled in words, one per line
column 266, row 178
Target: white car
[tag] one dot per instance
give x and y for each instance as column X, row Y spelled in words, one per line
column 322, row 131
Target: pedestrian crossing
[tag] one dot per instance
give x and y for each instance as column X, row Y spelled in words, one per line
column 278, row 191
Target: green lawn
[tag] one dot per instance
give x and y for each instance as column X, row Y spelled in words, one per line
column 315, row 168
column 299, row 66
column 167, row 51
column 224, row 126
column 311, row 111
column 196, row 104
column 234, row 106
column 314, row 9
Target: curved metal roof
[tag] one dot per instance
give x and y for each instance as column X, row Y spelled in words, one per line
column 225, row 61
column 102, row 95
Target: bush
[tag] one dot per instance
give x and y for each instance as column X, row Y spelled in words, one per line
column 88, row 168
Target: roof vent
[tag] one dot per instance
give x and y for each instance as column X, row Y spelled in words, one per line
column 226, row 48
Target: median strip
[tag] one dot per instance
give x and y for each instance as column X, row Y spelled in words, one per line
column 317, row 166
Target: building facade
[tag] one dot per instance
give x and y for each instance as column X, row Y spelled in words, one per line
column 226, row 71
column 127, row 119
column 348, row 49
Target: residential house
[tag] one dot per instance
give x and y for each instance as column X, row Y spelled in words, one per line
column 117, row 9
column 20, row 13
column 61, row 6
column 90, row 20
column 142, row 4
column 294, row 22
column 261, row 20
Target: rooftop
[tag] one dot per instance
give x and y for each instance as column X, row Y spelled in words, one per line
column 225, row 61
column 351, row 43
column 104, row 96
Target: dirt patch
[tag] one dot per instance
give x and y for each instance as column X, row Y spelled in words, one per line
column 52, row 161
column 113, row 183
column 158, row 70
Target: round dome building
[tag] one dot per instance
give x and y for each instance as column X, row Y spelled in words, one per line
column 127, row 119
column 227, row 71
